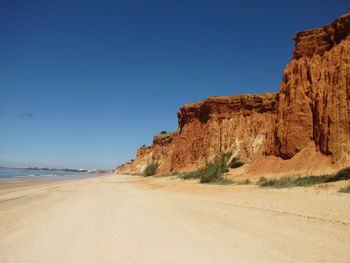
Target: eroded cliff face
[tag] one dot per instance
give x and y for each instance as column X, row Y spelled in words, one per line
column 242, row 124
column 314, row 95
column 160, row 151
column 306, row 123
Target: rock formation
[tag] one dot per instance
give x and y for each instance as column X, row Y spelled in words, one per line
column 304, row 127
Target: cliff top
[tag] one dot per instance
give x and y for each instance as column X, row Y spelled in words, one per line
column 259, row 98
column 320, row 40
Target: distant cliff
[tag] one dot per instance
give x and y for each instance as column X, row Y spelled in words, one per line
column 305, row 127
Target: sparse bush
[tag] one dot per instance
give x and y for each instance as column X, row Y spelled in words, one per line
column 151, row 169
column 262, row 179
column 277, row 183
column 309, row 180
column 163, row 132
column 223, row 181
column 171, row 174
column 343, row 174
column 235, row 163
column 213, row 171
column 224, row 159
column 290, row 182
column 191, row 175
column 246, row 181
column 345, row 189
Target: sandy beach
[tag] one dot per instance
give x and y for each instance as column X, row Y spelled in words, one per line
column 117, row 218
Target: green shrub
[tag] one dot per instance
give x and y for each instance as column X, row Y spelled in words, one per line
column 191, row 175
column 163, row 132
column 277, row 183
column 261, row 180
column 345, row 189
column 246, row 181
column 224, row 159
column 171, row 174
column 343, row 174
column 290, row 182
column 212, row 171
column 235, row 163
column 309, row 180
column 151, row 169
column 222, row 181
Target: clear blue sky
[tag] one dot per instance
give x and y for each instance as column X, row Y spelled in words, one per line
column 84, row 83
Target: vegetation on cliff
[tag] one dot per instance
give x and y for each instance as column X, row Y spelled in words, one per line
column 151, row 169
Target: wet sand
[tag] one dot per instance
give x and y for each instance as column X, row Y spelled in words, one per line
column 117, row 218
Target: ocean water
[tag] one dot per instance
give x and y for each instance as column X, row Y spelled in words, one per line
column 21, row 175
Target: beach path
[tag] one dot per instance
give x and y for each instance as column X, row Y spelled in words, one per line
column 116, row 218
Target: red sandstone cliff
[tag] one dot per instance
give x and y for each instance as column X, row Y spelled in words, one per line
column 306, row 126
column 314, row 95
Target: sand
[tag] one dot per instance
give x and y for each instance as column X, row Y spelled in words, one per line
column 117, row 218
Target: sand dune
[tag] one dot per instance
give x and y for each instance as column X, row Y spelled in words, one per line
column 125, row 219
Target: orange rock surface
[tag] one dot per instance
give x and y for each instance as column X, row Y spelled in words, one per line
column 314, row 95
column 304, row 127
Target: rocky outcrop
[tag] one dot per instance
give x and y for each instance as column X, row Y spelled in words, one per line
column 318, row 41
column 314, row 95
column 306, row 123
column 160, row 151
column 242, row 124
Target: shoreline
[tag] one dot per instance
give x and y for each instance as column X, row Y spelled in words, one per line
column 10, row 183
